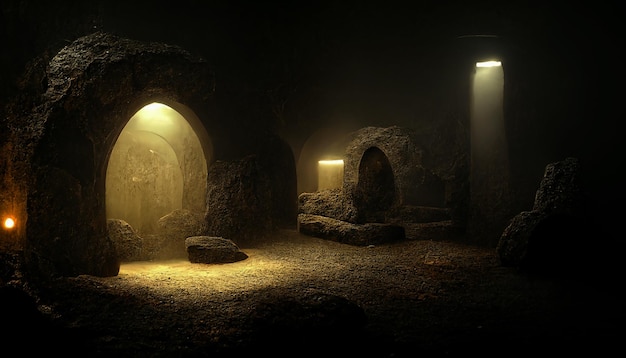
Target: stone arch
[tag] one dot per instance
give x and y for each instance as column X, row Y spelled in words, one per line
column 414, row 184
column 92, row 87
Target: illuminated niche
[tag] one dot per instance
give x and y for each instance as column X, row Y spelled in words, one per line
column 329, row 174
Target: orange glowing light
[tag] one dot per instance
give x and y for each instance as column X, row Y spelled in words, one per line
column 9, row 223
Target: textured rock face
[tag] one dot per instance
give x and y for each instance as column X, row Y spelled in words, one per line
column 213, row 250
column 559, row 191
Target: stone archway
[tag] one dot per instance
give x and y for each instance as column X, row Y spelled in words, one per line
column 78, row 105
column 404, row 156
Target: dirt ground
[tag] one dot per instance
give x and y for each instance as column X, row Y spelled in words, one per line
column 405, row 299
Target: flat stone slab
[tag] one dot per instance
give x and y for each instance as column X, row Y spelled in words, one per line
column 212, row 250
column 348, row 233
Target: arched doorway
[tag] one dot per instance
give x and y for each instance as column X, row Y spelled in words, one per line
column 157, row 165
column 375, row 190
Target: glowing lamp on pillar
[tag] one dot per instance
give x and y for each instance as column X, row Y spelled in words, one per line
column 329, row 174
column 489, row 172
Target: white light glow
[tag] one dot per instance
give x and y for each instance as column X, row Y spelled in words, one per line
column 489, row 64
column 331, row 162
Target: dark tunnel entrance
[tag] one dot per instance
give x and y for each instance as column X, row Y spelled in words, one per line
column 156, row 166
column 375, row 190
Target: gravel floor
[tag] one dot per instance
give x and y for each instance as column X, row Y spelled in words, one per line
column 418, row 297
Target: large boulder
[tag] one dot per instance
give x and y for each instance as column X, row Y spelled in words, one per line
column 213, row 250
column 128, row 244
column 174, row 228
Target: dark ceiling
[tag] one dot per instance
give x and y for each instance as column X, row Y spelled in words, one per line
column 258, row 38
